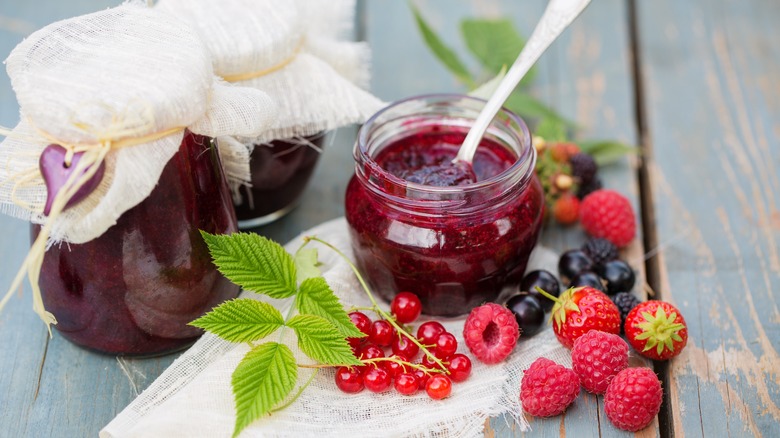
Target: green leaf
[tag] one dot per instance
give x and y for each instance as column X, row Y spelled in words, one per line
column 551, row 130
column 530, row 107
column 316, row 298
column 495, row 43
column 241, row 320
column 488, row 88
column 446, row 55
column 263, row 378
column 254, row 263
column 306, row 264
column 321, row 341
column 606, row 151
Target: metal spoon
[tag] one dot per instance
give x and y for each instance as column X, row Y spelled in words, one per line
column 557, row 16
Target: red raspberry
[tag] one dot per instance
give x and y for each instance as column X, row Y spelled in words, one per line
column 633, row 399
column 597, row 357
column 491, row 332
column 566, row 209
column 608, row 214
column 547, row 388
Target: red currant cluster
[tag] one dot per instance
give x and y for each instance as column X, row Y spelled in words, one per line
column 438, row 367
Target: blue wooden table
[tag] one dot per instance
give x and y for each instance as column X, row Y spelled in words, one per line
column 695, row 83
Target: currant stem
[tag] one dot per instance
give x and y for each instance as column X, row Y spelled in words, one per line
column 404, row 364
column 381, row 312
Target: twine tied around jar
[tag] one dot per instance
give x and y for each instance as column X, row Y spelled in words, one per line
column 266, row 71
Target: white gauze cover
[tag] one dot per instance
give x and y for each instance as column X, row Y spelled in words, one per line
column 115, row 77
column 193, row 397
column 296, row 51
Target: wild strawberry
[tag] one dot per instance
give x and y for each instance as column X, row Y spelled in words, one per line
column 608, row 214
column 566, row 209
column 633, row 399
column 580, row 310
column 561, row 152
column 597, row 357
column 547, row 388
column 491, row 332
column 656, row 329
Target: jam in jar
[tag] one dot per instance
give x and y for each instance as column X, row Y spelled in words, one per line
column 132, row 290
column 418, row 223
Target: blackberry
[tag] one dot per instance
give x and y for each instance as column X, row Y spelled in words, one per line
column 587, row 189
column 584, row 167
column 625, row 301
column 600, row 250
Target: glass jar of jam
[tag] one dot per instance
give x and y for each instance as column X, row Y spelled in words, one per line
column 132, row 290
column 454, row 242
column 280, row 170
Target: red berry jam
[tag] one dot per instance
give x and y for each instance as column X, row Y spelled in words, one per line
column 134, row 289
column 454, row 243
column 280, row 171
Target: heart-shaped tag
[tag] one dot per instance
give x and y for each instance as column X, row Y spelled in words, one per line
column 56, row 171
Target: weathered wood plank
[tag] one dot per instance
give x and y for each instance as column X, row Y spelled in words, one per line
column 585, row 75
column 710, row 69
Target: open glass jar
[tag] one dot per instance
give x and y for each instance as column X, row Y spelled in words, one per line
column 133, row 290
column 455, row 247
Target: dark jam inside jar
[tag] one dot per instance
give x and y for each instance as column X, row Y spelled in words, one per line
column 280, row 172
column 133, row 289
column 455, row 243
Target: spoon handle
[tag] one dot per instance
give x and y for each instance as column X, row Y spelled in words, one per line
column 557, row 16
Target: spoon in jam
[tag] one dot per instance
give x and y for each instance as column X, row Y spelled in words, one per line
column 557, row 16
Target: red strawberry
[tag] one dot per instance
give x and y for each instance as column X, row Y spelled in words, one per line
column 566, row 209
column 633, row 399
column 656, row 329
column 547, row 388
column 597, row 357
column 580, row 310
column 608, row 214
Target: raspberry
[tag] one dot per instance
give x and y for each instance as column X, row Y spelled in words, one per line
column 566, row 209
column 633, row 399
column 547, row 388
column 608, row 214
column 491, row 332
column 600, row 250
column 597, row 357
column 625, row 301
column 584, row 167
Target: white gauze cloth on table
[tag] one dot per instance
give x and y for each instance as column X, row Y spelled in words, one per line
column 193, row 397
column 296, row 51
column 125, row 73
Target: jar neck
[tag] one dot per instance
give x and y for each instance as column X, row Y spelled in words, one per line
column 442, row 114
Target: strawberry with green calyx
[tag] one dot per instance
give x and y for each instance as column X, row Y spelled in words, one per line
column 580, row 310
column 656, row 329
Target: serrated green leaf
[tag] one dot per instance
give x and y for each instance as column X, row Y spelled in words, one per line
column 306, row 264
column 446, row 55
column 315, row 297
column 551, row 130
column 263, row 378
column 241, row 320
column 321, row 341
column 495, row 43
column 530, row 107
column 606, row 151
column 253, row 262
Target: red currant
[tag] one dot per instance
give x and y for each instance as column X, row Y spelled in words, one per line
column 407, row 383
column 404, row 347
column 459, row 367
column 394, row 368
column 438, row 387
column 363, row 323
column 429, row 331
column 371, row 351
column 377, row 379
column 446, row 345
column 422, row 378
column 406, row 307
column 349, row 379
column 381, row 333
column 430, row 363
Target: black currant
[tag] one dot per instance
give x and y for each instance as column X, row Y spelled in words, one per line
column 528, row 313
column 588, row 278
column 546, row 281
column 618, row 275
column 625, row 301
column 572, row 262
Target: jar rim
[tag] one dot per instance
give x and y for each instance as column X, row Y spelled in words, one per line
column 521, row 169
